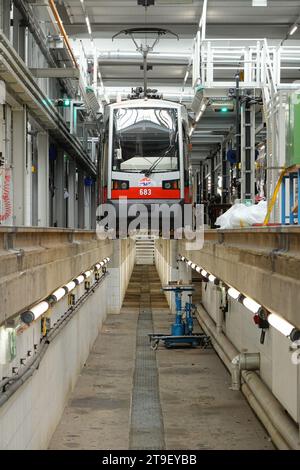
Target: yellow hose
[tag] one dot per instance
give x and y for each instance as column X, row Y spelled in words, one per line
column 273, row 199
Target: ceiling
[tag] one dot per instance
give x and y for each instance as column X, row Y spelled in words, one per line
column 224, row 17
column 120, row 64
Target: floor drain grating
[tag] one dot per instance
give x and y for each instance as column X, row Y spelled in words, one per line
column 147, row 429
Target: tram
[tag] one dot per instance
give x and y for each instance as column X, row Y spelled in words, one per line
column 145, row 153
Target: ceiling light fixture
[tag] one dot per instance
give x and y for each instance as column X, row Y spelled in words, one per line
column 259, row 3
column 88, row 24
column 293, row 29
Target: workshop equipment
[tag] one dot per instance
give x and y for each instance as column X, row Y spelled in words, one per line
column 182, row 329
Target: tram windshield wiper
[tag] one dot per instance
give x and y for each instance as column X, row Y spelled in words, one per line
column 154, row 164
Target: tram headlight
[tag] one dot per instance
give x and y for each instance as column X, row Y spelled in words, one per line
column 172, row 184
column 119, row 184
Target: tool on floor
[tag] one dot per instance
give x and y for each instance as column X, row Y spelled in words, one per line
column 182, row 329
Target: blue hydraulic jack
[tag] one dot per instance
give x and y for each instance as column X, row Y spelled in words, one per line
column 182, row 329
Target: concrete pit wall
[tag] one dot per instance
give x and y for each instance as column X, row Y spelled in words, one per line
column 35, row 263
column 229, row 262
column 29, row 418
column 263, row 264
column 122, row 263
column 166, row 252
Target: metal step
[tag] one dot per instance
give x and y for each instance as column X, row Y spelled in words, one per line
column 144, row 249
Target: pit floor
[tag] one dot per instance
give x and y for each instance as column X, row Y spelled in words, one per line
column 199, row 411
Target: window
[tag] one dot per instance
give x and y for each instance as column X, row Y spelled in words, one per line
column 145, row 140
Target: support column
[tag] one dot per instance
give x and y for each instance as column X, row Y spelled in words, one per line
column 72, row 193
column 20, row 168
column 6, row 192
column 93, row 206
column 43, row 179
column 248, row 152
column 60, row 206
column 87, row 207
column 80, row 198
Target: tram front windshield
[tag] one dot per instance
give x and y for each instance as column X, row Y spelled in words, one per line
column 145, row 140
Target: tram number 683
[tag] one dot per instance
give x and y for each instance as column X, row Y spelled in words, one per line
column 145, row 192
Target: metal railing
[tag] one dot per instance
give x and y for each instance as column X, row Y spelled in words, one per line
column 215, row 63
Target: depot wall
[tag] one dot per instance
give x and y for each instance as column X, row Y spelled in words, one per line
column 35, row 261
column 29, row 418
column 277, row 369
column 122, row 262
column 48, row 260
column 166, row 253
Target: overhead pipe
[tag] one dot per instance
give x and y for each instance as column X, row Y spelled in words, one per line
column 62, row 30
column 38, row 35
column 159, row 58
column 283, row 431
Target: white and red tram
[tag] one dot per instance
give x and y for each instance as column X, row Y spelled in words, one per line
column 145, row 153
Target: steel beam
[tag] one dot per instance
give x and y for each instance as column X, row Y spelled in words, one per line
column 55, row 73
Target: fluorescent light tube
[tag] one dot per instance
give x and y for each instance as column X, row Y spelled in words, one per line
column 35, row 312
column 251, row 305
column 233, row 293
column 80, row 279
column 280, row 324
column 259, row 3
column 293, row 29
column 58, row 294
column 88, row 24
column 70, row 286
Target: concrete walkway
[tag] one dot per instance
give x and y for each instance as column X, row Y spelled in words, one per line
column 198, row 408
